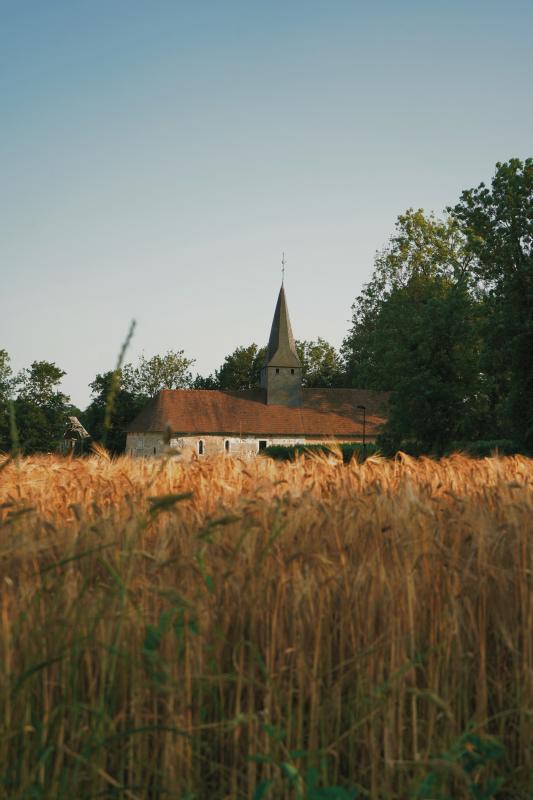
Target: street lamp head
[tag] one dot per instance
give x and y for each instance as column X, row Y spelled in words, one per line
column 363, row 408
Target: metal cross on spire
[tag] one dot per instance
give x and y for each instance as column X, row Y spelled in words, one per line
column 283, row 262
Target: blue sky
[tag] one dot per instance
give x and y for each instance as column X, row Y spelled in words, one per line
column 157, row 157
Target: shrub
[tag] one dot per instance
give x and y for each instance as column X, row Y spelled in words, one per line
column 483, row 448
column 349, row 450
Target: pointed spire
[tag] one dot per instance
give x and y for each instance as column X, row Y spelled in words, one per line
column 281, row 350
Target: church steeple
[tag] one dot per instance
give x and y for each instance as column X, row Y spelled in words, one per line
column 281, row 374
column 281, row 350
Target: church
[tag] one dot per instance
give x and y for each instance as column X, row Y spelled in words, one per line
column 282, row 411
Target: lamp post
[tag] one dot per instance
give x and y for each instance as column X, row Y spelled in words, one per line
column 363, row 409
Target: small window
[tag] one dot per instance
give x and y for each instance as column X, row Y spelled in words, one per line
column 277, row 370
column 292, row 372
column 226, row 445
column 262, row 444
column 154, row 451
column 200, row 447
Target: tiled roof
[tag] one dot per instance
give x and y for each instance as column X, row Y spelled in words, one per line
column 324, row 412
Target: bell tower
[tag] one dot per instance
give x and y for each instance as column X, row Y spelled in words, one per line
column 281, row 374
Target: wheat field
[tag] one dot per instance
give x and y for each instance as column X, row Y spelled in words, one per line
column 230, row 629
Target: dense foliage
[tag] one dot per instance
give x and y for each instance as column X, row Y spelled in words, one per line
column 498, row 225
column 348, row 450
column 241, row 369
column 482, row 448
column 33, row 410
column 446, row 321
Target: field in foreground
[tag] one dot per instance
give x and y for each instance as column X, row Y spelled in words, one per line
column 236, row 630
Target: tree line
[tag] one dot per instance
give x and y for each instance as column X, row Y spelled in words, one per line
column 445, row 324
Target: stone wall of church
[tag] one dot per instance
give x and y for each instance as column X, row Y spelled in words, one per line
column 152, row 444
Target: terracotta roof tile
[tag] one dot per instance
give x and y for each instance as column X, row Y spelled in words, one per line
column 324, row 412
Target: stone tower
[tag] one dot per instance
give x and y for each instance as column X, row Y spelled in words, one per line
column 281, row 375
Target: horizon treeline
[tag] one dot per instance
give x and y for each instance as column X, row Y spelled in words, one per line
column 445, row 324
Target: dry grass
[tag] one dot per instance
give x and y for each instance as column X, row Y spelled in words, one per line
column 186, row 647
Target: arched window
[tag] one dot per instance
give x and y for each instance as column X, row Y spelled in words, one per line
column 226, row 445
column 200, row 447
column 292, row 372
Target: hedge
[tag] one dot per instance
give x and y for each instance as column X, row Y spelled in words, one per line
column 482, row 448
column 479, row 449
column 282, row 452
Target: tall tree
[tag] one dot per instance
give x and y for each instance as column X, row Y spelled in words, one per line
column 421, row 247
column 321, row 364
column 7, row 387
column 205, row 382
column 150, row 375
column 8, row 380
column 41, row 409
column 498, row 223
column 126, row 406
column 241, row 369
column 427, row 344
column 119, row 395
column 416, row 332
column 39, row 384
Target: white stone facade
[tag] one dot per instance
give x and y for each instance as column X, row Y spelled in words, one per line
column 152, row 444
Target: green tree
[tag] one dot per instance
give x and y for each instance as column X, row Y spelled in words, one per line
column 498, row 224
column 41, row 409
column 493, row 418
column 126, row 406
column 8, row 380
column 241, row 369
column 7, row 388
column 150, row 375
column 207, row 382
column 427, row 344
column 422, row 246
column 321, row 364
column 416, row 331
column 39, row 384
column 130, row 388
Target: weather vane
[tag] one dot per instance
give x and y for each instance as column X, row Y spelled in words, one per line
column 283, row 262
